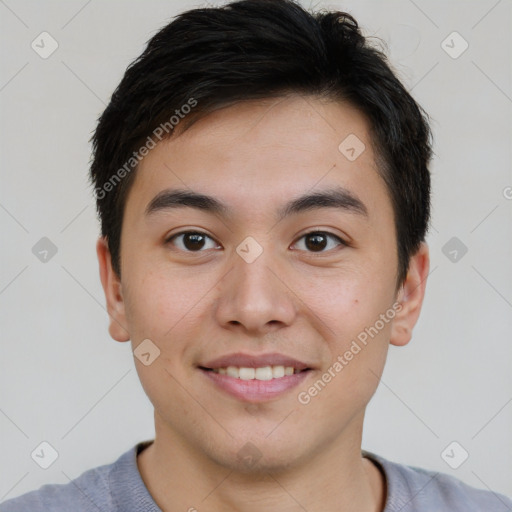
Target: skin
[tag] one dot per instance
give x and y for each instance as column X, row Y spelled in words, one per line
column 306, row 303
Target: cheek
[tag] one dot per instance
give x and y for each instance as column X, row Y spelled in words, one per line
column 160, row 310
column 356, row 316
column 170, row 312
column 362, row 350
column 155, row 301
column 347, row 300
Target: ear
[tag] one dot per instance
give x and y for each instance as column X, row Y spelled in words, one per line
column 410, row 296
column 113, row 293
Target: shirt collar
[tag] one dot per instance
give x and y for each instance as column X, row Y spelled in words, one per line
column 127, row 488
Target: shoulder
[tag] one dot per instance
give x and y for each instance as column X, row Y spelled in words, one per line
column 91, row 491
column 414, row 489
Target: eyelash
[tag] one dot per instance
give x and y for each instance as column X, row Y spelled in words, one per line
column 327, row 233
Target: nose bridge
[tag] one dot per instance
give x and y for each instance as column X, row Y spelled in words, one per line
column 252, row 294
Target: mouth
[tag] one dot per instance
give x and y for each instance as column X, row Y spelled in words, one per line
column 259, row 373
column 255, row 378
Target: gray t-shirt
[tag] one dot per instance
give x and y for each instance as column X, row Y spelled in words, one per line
column 118, row 487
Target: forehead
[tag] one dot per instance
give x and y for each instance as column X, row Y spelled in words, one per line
column 248, row 155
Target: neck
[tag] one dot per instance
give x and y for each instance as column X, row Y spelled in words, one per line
column 336, row 478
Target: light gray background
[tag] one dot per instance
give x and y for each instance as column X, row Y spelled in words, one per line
column 65, row 381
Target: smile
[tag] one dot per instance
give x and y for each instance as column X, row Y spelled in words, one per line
column 255, row 378
column 260, row 373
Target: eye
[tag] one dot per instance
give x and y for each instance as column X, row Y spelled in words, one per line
column 193, row 241
column 316, row 241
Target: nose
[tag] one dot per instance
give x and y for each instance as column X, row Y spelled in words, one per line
column 255, row 297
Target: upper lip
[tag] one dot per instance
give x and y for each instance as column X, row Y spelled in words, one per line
column 254, row 361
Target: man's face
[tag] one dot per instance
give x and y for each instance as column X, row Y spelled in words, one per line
column 254, row 285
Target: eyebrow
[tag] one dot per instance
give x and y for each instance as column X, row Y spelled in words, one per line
column 337, row 198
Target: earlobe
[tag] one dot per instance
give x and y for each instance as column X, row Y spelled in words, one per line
column 410, row 297
column 113, row 293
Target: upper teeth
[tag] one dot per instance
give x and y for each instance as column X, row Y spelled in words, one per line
column 263, row 373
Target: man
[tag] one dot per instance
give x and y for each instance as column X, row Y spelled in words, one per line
column 262, row 182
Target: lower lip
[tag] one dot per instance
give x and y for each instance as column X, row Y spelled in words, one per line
column 256, row 390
